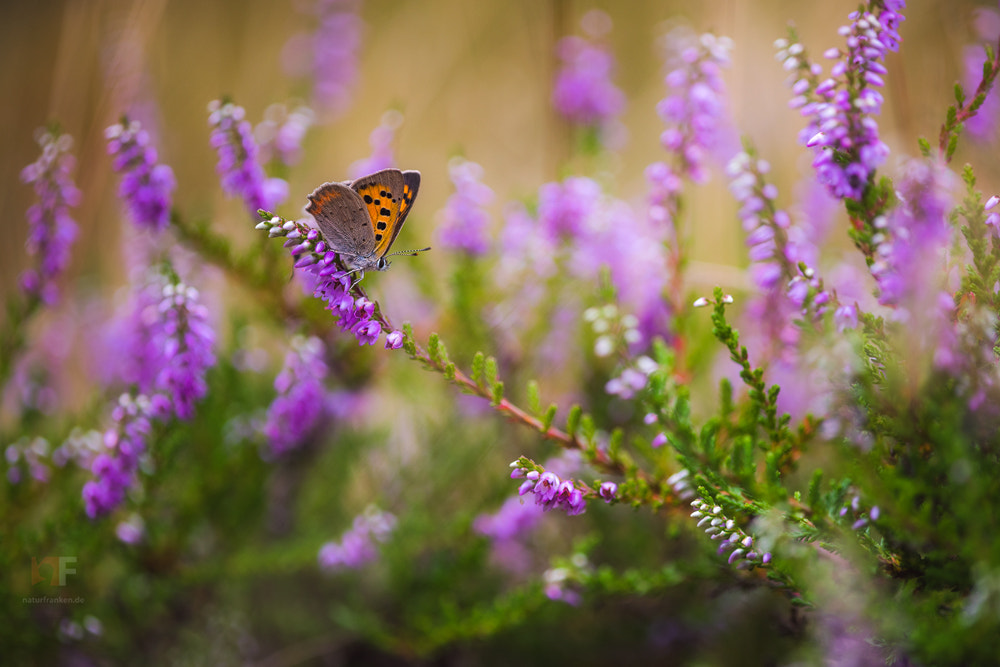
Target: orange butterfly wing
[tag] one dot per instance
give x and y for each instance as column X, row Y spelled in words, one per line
column 383, row 195
column 411, row 183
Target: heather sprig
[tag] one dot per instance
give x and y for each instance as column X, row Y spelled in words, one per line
column 781, row 256
column 51, row 229
column 549, row 490
column 584, row 92
column 335, row 46
column 239, row 168
column 763, row 398
column 731, row 537
column 280, row 135
column 334, row 285
column 302, row 403
column 695, row 108
column 358, row 546
column 146, row 186
column 115, row 468
column 463, row 222
column 184, row 338
column 842, row 130
column 979, row 112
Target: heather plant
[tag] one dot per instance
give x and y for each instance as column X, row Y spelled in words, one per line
column 547, row 442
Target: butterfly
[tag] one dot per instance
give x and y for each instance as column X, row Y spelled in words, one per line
column 360, row 219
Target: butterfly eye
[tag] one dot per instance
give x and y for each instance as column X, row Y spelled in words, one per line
column 381, row 264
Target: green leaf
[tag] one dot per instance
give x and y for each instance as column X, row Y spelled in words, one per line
column 549, row 417
column 534, row 400
column 497, row 393
column 573, row 419
column 490, row 372
column 478, row 368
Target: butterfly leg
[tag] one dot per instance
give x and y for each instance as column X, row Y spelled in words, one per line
column 361, row 275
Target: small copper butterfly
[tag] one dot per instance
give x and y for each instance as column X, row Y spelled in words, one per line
column 360, row 219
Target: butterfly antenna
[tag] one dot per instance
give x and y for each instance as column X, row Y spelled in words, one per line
column 411, row 253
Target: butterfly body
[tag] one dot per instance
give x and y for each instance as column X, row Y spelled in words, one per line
column 360, row 219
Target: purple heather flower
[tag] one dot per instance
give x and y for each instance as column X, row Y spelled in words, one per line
column 694, row 109
column 842, row 131
column 381, row 140
column 132, row 530
column 730, row 536
column 608, row 491
column 329, row 282
column 394, row 340
column 335, row 60
column 115, row 468
column 34, row 453
column 357, row 546
column 913, row 237
column 777, row 248
column 238, row 166
column 583, row 91
column 551, row 491
column 664, row 188
column 170, row 349
column 509, row 530
column 129, row 350
column 463, row 221
column 279, row 136
column 184, row 338
column 563, row 208
column 146, row 186
column 51, row 229
column 301, row 404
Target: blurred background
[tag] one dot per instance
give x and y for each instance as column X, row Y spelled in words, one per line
column 470, row 79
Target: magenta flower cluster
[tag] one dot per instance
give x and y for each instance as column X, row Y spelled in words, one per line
column 302, row 401
column 464, row 220
column 175, row 346
column 279, row 136
column 51, row 230
column 114, row 470
column 359, row 545
column 551, row 491
column 842, row 131
column 584, row 91
column 35, row 455
column 694, row 110
column 776, row 252
column 146, row 187
column 238, row 167
column 913, row 236
column 740, row 546
column 184, row 338
column 336, row 43
column 355, row 315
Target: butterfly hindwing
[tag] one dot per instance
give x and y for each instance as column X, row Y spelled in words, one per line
column 343, row 218
column 411, row 184
column 382, row 193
